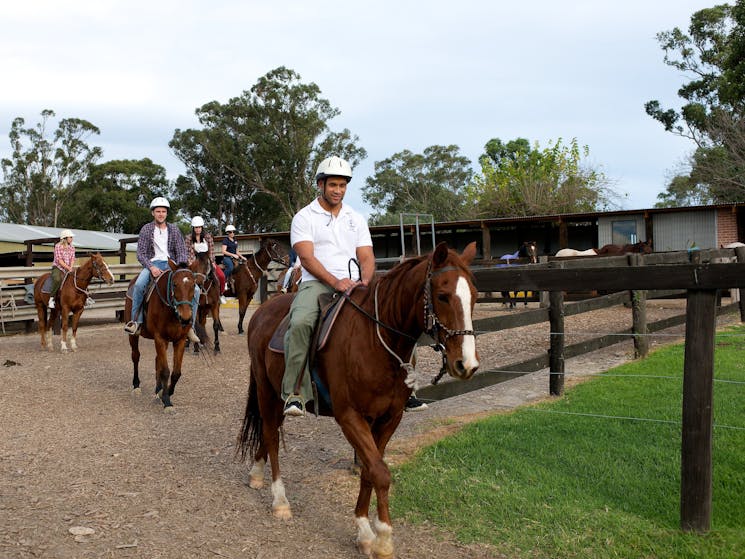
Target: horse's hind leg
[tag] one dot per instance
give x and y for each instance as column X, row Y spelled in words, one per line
column 162, row 372
column 46, row 342
column 270, row 409
column 216, row 327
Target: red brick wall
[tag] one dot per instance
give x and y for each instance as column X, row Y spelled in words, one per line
column 726, row 226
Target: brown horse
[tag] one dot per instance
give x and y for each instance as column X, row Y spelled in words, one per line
column 209, row 297
column 246, row 276
column 70, row 298
column 643, row 247
column 294, row 280
column 363, row 368
column 167, row 319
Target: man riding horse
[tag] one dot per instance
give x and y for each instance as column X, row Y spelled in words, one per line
column 158, row 242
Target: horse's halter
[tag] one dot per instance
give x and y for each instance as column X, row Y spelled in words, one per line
column 274, row 256
column 170, row 299
column 433, row 326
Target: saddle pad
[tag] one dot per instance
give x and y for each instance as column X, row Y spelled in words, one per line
column 46, row 287
column 330, row 304
column 277, row 343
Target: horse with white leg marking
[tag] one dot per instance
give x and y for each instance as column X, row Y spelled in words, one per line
column 363, row 369
column 71, row 298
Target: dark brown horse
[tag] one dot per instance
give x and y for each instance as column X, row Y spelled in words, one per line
column 167, row 319
column 209, row 297
column 247, row 275
column 296, row 274
column 363, row 367
column 643, row 247
column 71, row 298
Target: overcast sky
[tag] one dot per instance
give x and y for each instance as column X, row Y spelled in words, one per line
column 405, row 75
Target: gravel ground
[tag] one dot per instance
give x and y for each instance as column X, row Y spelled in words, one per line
column 79, row 450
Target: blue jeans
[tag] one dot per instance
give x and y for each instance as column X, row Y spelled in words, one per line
column 228, row 263
column 138, row 292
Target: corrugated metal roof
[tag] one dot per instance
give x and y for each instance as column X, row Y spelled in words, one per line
column 95, row 240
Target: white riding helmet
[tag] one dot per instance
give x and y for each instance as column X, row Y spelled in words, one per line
column 197, row 221
column 200, row 247
column 334, row 167
column 66, row 233
column 229, row 228
column 159, row 202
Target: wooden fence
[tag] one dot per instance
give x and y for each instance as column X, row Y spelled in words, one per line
column 700, row 274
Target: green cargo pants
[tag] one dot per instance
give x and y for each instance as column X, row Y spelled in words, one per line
column 303, row 316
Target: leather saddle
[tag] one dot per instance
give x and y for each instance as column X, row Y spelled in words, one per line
column 331, row 304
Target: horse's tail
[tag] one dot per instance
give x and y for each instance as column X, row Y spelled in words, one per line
column 250, row 436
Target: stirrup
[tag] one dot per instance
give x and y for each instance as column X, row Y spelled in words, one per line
column 294, row 405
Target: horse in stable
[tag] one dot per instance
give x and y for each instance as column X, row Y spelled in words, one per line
column 527, row 250
column 360, row 374
column 71, row 298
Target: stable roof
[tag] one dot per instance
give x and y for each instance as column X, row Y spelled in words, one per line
column 93, row 240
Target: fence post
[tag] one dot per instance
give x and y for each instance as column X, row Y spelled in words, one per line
column 639, row 313
column 556, row 348
column 543, row 301
column 696, row 447
column 740, row 253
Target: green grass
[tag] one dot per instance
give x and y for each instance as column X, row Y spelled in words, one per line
column 542, row 483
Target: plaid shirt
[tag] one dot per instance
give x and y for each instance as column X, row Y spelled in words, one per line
column 146, row 250
column 206, row 238
column 63, row 253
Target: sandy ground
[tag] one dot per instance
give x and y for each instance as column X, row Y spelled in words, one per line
column 79, row 450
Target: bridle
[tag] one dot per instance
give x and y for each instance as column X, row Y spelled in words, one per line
column 97, row 273
column 170, row 298
column 274, row 256
column 433, row 326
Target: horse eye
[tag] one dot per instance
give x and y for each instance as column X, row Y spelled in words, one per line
column 443, row 297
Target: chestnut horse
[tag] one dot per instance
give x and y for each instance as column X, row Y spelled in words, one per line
column 363, row 368
column 644, row 247
column 296, row 274
column 167, row 319
column 247, row 275
column 70, row 298
column 209, row 297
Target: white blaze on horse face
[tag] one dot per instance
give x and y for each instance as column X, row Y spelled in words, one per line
column 463, row 291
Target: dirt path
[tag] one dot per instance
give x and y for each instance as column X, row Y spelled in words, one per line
column 78, row 449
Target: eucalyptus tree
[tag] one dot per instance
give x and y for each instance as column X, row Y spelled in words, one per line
column 43, row 171
column 518, row 179
column 253, row 161
column 115, row 197
column 711, row 56
column 432, row 182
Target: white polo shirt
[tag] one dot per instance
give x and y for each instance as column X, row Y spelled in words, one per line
column 335, row 239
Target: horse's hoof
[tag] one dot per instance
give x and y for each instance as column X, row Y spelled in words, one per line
column 137, row 391
column 282, row 512
column 256, row 482
column 169, row 409
column 365, row 548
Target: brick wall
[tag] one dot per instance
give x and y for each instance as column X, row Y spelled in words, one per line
column 726, row 226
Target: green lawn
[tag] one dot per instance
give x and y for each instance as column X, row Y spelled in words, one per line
column 542, row 482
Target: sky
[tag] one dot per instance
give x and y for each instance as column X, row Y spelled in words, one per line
column 404, row 74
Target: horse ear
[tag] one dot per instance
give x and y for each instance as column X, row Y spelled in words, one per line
column 440, row 254
column 172, row 265
column 469, row 253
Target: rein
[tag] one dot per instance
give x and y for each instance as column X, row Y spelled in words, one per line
column 272, row 258
column 169, row 299
column 433, row 326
